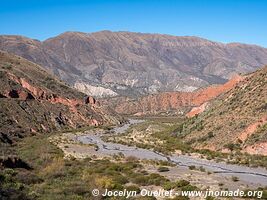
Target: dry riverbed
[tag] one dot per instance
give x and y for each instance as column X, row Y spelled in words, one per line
column 87, row 144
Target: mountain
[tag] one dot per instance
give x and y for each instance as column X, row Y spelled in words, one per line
column 236, row 120
column 172, row 103
column 131, row 64
column 32, row 101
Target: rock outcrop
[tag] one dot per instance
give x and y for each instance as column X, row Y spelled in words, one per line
column 95, row 91
column 13, row 162
column 33, row 101
column 236, row 120
column 171, row 102
column 90, row 100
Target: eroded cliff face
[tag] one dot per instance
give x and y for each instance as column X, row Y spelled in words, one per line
column 96, row 91
column 171, row 102
column 236, row 120
column 130, row 64
column 33, row 101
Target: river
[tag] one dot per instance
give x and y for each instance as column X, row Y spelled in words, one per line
column 246, row 174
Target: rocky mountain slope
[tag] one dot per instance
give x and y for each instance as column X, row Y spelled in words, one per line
column 170, row 103
column 235, row 121
column 110, row 63
column 31, row 101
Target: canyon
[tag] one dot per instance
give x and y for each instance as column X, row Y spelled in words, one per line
column 170, row 103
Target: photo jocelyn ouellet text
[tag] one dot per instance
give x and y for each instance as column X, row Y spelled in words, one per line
column 172, row 193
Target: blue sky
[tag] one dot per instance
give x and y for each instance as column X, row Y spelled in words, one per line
column 219, row 20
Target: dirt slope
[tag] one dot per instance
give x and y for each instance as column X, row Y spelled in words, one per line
column 170, row 102
column 31, row 101
column 235, row 121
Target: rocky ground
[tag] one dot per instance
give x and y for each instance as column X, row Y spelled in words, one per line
column 200, row 177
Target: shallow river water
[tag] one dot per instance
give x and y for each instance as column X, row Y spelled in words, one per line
column 246, row 174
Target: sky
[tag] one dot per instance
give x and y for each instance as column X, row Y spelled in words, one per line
column 218, row 20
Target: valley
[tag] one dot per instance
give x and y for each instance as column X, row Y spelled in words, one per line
column 102, row 149
column 70, row 164
column 133, row 100
column 58, row 142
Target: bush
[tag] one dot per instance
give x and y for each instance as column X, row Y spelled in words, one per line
column 202, row 169
column 182, row 183
column 192, row 167
column 163, row 169
column 156, row 179
column 232, row 146
column 169, row 185
column 210, row 134
column 105, row 182
column 133, row 188
column 235, row 179
column 120, row 179
column 28, row 178
column 189, row 188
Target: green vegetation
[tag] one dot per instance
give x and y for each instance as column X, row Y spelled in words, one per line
column 11, row 187
column 163, row 169
column 232, row 146
column 259, row 135
column 171, row 139
column 235, row 179
column 53, row 177
column 181, row 185
column 172, row 136
column 192, row 167
column 7, row 66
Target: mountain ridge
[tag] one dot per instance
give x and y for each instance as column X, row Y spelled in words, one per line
column 141, row 33
column 171, row 103
column 131, row 64
column 33, row 101
column 236, row 121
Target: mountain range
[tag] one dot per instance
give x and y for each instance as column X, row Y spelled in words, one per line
column 190, row 75
column 133, row 64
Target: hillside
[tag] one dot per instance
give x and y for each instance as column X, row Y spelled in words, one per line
column 235, row 121
column 131, row 64
column 32, row 101
column 170, row 103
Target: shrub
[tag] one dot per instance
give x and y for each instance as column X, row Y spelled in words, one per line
column 202, row 169
column 192, row 167
column 28, row 178
column 105, row 182
column 133, row 188
column 169, row 185
column 210, row 134
column 120, row 179
column 232, row 146
column 156, row 179
column 163, row 169
column 189, row 188
column 140, row 180
column 235, row 179
column 182, row 183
